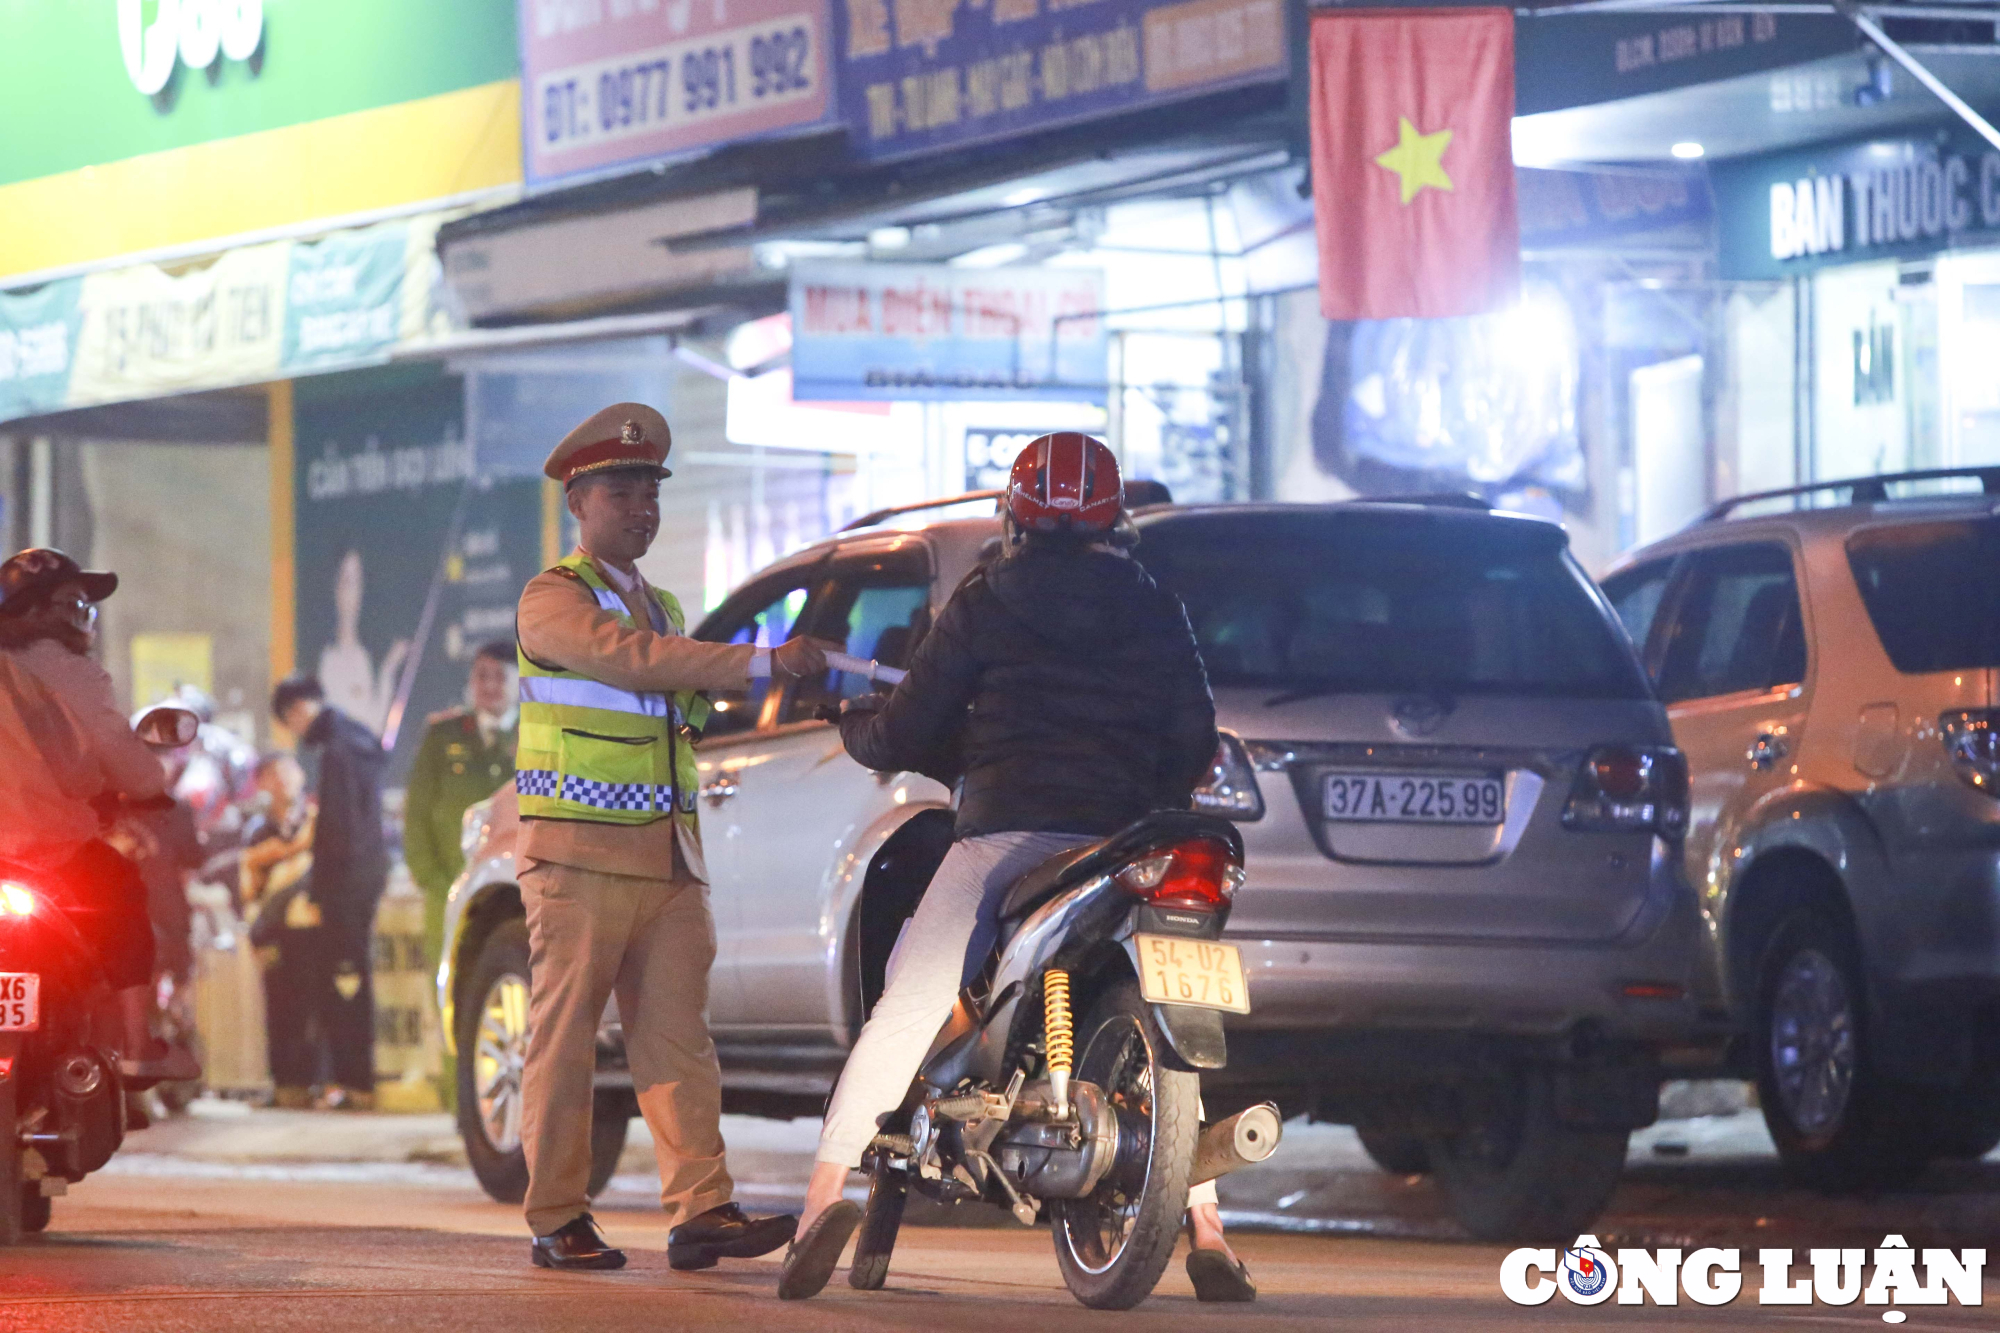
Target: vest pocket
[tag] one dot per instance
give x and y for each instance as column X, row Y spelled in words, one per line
column 607, row 772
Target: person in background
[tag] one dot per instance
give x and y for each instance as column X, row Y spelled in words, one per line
column 276, row 856
column 467, row 753
column 74, row 755
column 349, row 872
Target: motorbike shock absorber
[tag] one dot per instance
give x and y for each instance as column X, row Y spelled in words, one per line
column 1057, row 1035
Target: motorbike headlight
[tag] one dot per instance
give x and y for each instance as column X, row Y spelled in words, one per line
column 16, row 899
column 1230, row 789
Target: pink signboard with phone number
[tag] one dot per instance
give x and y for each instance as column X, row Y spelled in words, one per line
column 611, row 82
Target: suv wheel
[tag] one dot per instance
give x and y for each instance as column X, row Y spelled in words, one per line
column 492, row 1049
column 1837, row 1122
column 1521, row 1174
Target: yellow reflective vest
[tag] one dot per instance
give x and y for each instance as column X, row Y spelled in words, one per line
column 593, row 752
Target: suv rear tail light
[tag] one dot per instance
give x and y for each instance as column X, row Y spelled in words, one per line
column 1198, row 873
column 1630, row 787
column 1230, row 789
column 1972, row 739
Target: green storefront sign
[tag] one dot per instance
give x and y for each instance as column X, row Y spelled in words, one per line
column 65, row 71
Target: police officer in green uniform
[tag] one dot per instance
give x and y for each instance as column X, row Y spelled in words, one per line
column 466, row 755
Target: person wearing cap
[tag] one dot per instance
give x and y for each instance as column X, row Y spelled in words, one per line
column 68, row 751
column 612, row 874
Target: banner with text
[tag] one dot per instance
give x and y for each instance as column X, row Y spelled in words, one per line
column 926, row 74
column 640, row 80
column 257, row 313
column 929, row 333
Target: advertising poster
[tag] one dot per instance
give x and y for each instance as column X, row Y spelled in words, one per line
column 918, row 75
column 344, row 297
column 928, row 332
column 629, row 81
column 381, row 468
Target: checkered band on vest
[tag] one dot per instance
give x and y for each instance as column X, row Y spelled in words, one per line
column 535, row 782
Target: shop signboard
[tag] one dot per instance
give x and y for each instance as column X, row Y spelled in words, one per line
column 919, row 75
column 257, row 313
column 382, row 466
column 1567, row 60
column 37, row 343
column 610, row 83
column 153, row 124
column 929, row 332
column 1883, row 198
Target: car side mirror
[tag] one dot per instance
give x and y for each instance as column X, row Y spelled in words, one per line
column 168, row 728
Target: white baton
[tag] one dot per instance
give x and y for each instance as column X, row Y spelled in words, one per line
column 760, row 665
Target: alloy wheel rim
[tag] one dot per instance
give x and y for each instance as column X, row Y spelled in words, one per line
column 1813, row 1047
column 500, row 1049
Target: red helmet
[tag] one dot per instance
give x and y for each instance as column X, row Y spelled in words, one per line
column 1065, row 482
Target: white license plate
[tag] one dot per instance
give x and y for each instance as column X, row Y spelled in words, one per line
column 20, row 1001
column 1414, row 798
column 1201, row 973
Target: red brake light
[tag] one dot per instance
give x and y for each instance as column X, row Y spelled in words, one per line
column 16, row 899
column 1620, row 773
column 1201, row 873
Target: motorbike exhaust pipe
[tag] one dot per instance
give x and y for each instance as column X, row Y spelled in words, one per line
column 1244, row 1139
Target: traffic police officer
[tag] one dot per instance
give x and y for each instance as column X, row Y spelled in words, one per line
column 612, row 872
column 467, row 753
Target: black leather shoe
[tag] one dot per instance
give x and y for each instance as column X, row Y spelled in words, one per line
column 576, row 1246
column 726, row 1233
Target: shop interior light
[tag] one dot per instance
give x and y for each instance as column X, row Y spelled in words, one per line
column 1687, row 150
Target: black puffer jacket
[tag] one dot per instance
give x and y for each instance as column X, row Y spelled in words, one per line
column 1063, row 685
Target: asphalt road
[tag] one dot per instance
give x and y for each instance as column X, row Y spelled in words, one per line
column 273, row 1222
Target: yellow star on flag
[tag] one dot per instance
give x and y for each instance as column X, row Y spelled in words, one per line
column 1417, row 159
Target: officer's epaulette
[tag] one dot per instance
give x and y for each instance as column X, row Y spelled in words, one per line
column 566, row 572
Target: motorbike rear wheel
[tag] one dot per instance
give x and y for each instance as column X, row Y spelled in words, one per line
column 1113, row 1244
column 12, row 1195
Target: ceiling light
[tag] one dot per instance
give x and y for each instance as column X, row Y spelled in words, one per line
column 1687, row 150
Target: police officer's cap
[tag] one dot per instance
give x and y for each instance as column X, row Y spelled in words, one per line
column 623, row 435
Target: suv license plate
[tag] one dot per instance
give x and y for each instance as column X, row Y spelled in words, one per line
column 1414, row 798
column 1201, row 973
column 20, row 1001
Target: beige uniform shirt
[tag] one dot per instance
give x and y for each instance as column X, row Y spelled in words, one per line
column 562, row 625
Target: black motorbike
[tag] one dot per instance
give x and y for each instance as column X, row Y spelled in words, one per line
column 62, row 1102
column 1023, row 1103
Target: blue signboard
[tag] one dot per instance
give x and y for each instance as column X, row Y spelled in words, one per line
column 917, row 75
column 866, row 332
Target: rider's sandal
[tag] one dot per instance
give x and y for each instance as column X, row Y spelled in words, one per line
column 810, row 1261
column 1217, row 1277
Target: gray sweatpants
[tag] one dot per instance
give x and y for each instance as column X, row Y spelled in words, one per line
column 947, row 940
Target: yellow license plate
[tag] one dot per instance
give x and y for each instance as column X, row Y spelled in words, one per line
column 1201, row 973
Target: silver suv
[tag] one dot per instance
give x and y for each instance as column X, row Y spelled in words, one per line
column 1465, row 922
column 1832, row 674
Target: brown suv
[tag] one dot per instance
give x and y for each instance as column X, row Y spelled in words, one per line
column 1832, row 672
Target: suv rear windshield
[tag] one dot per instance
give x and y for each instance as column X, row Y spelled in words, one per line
column 1389, row 603
column 1930, row 591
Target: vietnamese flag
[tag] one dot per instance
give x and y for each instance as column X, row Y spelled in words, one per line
column 1413, row 162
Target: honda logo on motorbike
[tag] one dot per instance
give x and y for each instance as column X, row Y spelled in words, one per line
column 190, row 32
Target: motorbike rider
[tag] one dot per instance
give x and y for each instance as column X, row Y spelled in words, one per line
column 1066, row 690
column 87, row 760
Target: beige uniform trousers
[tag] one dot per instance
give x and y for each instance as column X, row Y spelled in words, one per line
column 652, row 941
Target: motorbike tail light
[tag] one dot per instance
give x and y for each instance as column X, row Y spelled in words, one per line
column 1625, row 788
column 1200, row 873
column 16, row 899
column 1972, row 739
column 1230, row 789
